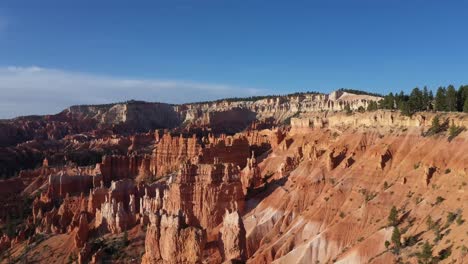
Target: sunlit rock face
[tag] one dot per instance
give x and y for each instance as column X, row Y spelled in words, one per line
column 289, row 179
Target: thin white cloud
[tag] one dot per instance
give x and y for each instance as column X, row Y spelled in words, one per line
column 36, row 90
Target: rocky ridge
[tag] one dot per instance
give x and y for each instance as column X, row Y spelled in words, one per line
column 319, row 189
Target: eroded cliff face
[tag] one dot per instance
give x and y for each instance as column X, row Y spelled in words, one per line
column 234, row 115
column 331, row 191
column 82, row 134
column 320, row 189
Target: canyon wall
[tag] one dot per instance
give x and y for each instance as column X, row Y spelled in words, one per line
column 318, row 190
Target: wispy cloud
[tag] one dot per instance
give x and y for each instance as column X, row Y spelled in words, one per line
column 36, row 90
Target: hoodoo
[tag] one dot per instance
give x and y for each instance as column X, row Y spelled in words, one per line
column 308, row 178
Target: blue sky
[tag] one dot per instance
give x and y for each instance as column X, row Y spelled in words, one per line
column 57, row 53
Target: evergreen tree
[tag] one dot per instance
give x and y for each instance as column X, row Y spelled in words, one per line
column 388, row 102
column 426, row 253
column 440, row 100
column 372, row 106
column 426, row 100
column 405, row 108
column 451, row 99
column 393, row 216
column 465, row 105
column 431, row 100
column 462, row 95
column 416, row 100
column 396, row 238
column 435, row 124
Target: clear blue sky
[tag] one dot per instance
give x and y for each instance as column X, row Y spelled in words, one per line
column 246, row 46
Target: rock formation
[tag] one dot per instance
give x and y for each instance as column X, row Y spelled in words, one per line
column 286, row 179
column 168, row 241
column 233, row 239
column 81, row 235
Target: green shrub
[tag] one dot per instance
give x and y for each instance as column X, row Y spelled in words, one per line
column 454, row 131
column 439, row 200
column 425, row 256
column 393, row 217
column 396, row 238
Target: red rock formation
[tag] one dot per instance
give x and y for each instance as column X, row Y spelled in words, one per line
column 114, row 168
column 81, row 235
column 64, row 184
column 320, row 192
column 118, row 212
column 168, row 241
column 233, row 241
column 171, row 151
column 203, row 192
column 251, row 175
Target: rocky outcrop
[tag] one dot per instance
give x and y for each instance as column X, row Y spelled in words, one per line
column 385, row 158
column 64, row 184
column 428, row 173
column 169, row 240
column 171, row 151
column 203, row 192
column 233, row 241
column 118, row 211
column 114, row 168
column 335, row 157
column 112, row 217
column 81, row 235
column 251, row 177
column 315, row 191
column 278, row 108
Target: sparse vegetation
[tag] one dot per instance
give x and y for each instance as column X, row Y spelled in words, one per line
column 454, row 131
column 387, row 244
column 439, row 200
column 393, row 217
column 436, row 127
column 460, row 220
column 430, row 223
column 425, row 256
column 396, row 239
column 347, row 109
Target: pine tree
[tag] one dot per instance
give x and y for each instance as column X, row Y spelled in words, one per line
column 393, row 216
column 388, row 102
column 451, row 99
column 429, row 223
column 416, row 100
column 440, row 100
column 431, row 100
column 435, row 128
column 465, row 105
column 405, row 108
column 426, row 100
column 396, row 238
column 462, row 96
column 426, row 253
column 372, row 106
